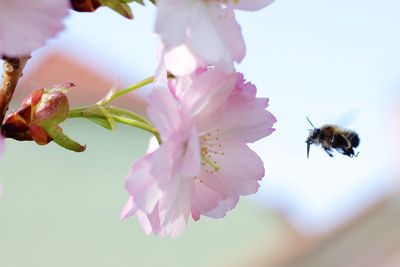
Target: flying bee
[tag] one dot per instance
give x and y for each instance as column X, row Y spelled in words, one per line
column 333, row 137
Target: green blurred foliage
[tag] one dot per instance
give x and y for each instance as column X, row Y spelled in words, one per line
column 61, row 208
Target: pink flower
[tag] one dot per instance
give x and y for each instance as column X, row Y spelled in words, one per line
column 26, row 25
column 200, row 33
column 204, row 164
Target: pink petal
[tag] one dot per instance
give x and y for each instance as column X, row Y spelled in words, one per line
column 176, row 200
column 178, row 155
column 176, row 227
column 160, row 77
column 240, row 169
column 160, row 189
column 141, row 184
column 129, row 209
column 163, row 111
column 150, row 222
column 205, row 34
column 244, row 117
column 231, row 33
column 172, row 19
column 207, row 93
column 249, row 5
column 205, row 39
column 180, row 60
column 204, row 199
column 223, row 207
column 26, row 25
column 190, row 163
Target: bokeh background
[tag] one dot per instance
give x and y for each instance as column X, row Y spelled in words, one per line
column 333, row 61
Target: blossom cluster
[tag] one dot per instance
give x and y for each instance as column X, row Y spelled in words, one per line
column 206, row 117
column 203, row 118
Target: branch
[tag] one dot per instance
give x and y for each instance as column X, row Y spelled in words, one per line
column 12, row 72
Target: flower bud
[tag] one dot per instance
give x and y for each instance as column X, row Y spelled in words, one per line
column 85, row 5
column 52, row 109
column 39, row 116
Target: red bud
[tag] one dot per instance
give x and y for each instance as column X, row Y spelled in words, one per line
column 39, row 116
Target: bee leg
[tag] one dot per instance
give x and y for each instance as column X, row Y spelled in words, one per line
column 349, row 152
column 328, row 151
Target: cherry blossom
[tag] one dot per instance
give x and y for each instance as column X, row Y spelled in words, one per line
column 198, row 33
column 26, row 25
column 203, row 164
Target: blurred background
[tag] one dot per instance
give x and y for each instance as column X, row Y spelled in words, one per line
column 333, row 61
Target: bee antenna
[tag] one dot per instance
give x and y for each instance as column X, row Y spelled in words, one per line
column 310, row 123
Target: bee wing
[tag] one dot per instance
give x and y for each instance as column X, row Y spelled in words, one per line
column 347, row 118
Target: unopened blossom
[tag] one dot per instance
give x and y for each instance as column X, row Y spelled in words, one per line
column 26, row 25
column 203, row 164
column 39, row 117
column 198, row 33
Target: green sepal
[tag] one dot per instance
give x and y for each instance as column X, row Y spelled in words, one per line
column 119, row 6
column 56, row 133
column 101, row 121
column 140, row 2
column 108, row 117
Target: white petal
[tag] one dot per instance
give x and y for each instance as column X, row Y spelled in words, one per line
column 180, row 60
column 172, row 20
column 26, row 25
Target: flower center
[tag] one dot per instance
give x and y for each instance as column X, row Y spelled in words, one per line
column 211, row 147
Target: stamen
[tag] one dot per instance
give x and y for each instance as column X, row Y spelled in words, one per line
column 206, row 160
column 210, row 146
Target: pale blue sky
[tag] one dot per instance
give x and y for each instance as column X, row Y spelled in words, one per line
column 315, row 58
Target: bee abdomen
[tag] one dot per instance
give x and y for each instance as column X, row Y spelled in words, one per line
column 354, row 139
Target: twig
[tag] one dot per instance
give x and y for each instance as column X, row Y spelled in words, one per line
column 12, row 72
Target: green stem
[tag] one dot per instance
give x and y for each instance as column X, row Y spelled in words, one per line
column 127, row 113
column 82, row 112
column 99, row 112
column 119, row 115
column 138, row 124
column 129, row 89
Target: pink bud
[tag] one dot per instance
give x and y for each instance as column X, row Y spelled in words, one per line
column 52, row 109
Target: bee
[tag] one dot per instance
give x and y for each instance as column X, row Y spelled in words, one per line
column 333, row 137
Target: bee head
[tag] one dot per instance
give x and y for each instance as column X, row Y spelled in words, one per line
column 312, row 137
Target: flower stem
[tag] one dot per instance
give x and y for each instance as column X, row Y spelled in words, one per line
column 116, row 114
column 13, row 68
column 129, row 89
column 127, row 113
column 137, row 124
column 106, row 116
